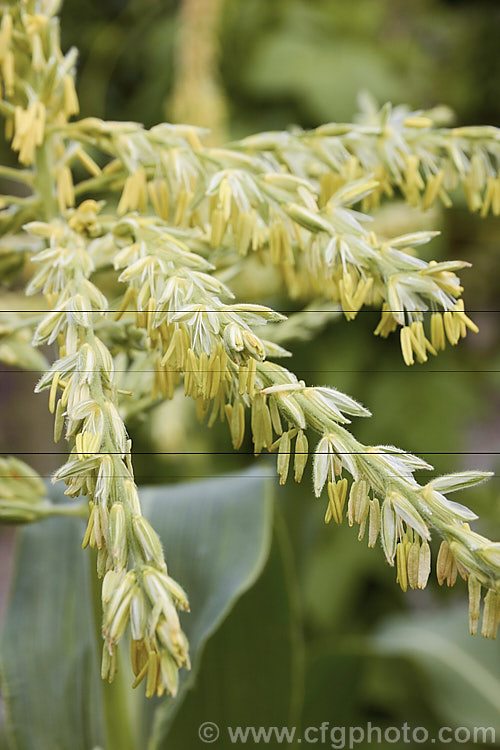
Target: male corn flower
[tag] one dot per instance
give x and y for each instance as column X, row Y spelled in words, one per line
column 169, row 217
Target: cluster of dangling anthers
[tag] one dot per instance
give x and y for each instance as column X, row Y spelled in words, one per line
column 177, row 219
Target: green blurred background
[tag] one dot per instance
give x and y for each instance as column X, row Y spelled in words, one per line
column 353, row 655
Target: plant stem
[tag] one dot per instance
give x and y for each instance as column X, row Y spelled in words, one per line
column 13, row 173
column 98, row 183
column 44, row 180
column 119, row 733
column 77, row 510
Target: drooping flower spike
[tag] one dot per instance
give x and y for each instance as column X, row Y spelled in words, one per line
column 175, row 216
